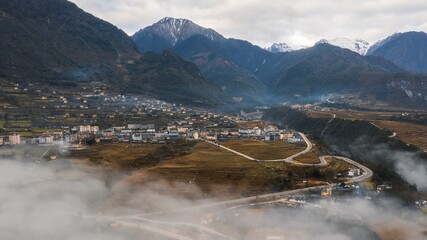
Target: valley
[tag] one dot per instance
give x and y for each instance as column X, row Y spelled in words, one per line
column 313, row 127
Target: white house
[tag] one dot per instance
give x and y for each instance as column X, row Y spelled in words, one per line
column 45, row 139
column 137, row 137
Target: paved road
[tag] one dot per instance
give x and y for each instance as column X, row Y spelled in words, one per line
column 366, row 172
column 287, row 160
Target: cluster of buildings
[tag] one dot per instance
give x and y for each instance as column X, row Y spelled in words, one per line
column 151, row 133
column 268, row 133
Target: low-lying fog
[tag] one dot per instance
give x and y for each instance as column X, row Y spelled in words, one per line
column 57, row 200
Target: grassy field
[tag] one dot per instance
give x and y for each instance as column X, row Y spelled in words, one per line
column 414, row 134
column 264, row 150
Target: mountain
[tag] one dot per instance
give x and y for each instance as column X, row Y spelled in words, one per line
column 54, row 38
column 51, row 41
column 407, row 50
column 284, row 47
column 169, row 77
column 356, row 45
column 314, row 73
column 279, row 48
column 167, row 32
column 382, row 42
column 251, row 75
column 231, row 64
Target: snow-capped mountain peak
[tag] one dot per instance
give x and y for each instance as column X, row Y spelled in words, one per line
column 284, row 47
column 356, row 45
column 279, row 47
column 174, row 30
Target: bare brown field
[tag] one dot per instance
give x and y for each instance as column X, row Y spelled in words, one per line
column 113, row 156
column 202, row 170
column 410, row 133
column 311, row 157
column 246, row 124
column 130, row 156
column 353, row 115
column 337, row 165
column 264, row 150
column 214, row 170
column 313, row 175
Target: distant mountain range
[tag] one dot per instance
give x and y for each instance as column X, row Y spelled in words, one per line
column 53, row 41
column 407, row 50
column 283, row 73
column 356, row 45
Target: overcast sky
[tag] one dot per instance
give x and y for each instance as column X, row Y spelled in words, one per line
column 264, row 22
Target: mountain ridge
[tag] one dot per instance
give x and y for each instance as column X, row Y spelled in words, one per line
column 49, row 41
column 169, row 31
column 407, row 50
column 356, row 45
column 245, row 71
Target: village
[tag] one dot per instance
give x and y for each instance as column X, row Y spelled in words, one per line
column 150, row 133
column 94, row 114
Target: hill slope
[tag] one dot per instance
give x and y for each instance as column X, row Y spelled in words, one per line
column 54, row 40
column 249, row 74
column 231, row 64
column 48, row 38
column 169, row 77
column 407, row 50
column 313, row 73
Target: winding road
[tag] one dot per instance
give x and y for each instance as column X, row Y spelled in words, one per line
column 141, row 221
column 366, row 172
column 290, row 159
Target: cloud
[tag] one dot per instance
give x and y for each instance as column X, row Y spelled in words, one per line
column 409, row 165
column 268, row 21
column 412, row 170
column 58, row 200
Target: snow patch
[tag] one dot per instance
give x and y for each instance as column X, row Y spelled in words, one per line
column 284, row 47
column 356, row 45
